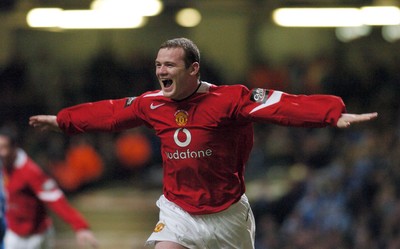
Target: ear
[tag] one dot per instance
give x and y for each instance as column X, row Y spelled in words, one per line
column 194, row 68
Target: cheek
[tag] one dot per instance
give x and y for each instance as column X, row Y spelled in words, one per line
column 3, row 153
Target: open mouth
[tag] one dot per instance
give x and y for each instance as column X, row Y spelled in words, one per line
column 167, row 83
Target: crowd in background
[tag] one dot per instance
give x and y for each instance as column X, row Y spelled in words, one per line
column 348, row 194
column 344, row 192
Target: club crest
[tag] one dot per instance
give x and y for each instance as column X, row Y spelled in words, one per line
column 181, row 117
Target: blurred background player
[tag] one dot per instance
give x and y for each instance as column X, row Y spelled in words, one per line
column 2, row 211
column 29, row 193
column 206, row 134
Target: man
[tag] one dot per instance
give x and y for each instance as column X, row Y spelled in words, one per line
column 29, row 191
column 2, row 212
column 206, row 135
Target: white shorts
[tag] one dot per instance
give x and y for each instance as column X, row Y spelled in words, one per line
column 233, row 228
column 43, row 240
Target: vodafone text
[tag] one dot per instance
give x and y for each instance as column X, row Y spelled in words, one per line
column 186, row 154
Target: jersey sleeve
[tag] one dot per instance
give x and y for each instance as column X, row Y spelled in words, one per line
column 46, row 190
column 262, row 105
column 106, row 115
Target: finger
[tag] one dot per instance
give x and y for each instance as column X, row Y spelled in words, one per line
column 32, row 120
column 345, row 124
column 34, row 123
column 35, row 118
column 370, row 115
column 355, row 118
column 364, row 117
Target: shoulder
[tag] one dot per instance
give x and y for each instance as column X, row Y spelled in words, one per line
column 147, row 97
column 228, row 88
column 231, row 91
column 26, row 167
column 152, row 94
column 26, row 162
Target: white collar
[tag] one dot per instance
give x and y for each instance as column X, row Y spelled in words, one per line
column 20, row 159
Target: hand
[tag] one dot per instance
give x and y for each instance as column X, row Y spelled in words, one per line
column 44, row 123
column 347, row 119
column 85, row 237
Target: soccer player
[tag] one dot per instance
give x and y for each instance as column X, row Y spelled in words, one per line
column 2, row 212
column 206, row 135
column 29, row 192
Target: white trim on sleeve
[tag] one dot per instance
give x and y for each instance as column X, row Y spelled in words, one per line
column 50, row 196
column 273, row 99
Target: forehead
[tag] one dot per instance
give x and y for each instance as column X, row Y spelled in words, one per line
column 170, row 54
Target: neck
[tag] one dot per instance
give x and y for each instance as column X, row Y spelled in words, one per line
column 198, row 84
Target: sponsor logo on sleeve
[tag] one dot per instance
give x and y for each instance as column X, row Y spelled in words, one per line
column 129, row 101
column 259, row 95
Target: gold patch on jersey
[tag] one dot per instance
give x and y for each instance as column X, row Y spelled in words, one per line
column 181, row 117
column 160, row 226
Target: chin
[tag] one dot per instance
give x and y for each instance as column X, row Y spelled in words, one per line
column 168, row 94
column 171, row 93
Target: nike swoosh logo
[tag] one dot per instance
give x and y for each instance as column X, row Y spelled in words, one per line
column 153, row 107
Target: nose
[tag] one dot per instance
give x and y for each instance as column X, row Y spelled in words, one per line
column 162, row 70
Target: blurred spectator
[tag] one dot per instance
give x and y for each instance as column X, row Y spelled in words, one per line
column 82, row 165
column 133, row 149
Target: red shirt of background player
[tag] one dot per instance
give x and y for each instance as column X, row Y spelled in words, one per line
column 29, row 193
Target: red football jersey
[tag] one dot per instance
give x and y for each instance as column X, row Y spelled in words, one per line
column 29, row 191
column 206, row 139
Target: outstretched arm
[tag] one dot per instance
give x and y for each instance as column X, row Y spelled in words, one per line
column 101, row 116
column 265, row 105
column 346, row 119
column 262, row 105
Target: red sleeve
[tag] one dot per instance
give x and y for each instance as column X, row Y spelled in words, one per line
column 47, row 191
column 106, row 115
column 68, row 214
column 287, row 109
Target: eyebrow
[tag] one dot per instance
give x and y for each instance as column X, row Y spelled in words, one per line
column 167, row 62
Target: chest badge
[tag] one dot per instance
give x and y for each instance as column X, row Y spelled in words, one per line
column 181, row 117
